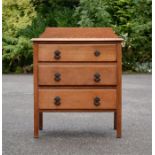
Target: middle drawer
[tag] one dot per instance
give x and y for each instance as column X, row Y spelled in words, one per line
column 77, row 74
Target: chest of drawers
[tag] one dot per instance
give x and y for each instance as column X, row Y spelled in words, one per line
column 77, row 69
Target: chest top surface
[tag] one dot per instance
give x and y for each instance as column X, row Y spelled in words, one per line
column 78, row 34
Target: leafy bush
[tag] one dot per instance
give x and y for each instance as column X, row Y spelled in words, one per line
column 93, row 13
column 17, row 56
column 132, row 20
column 17, row 50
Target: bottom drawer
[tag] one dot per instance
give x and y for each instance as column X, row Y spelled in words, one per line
column 77, row 98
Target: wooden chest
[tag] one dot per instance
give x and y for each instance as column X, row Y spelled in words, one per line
column 77, row 69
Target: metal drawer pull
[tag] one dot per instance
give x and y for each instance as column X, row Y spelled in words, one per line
column 97, row 53
column 57, row 100
column 97, row 101
column 97, row 77
column 57, row 54
column 57, row 76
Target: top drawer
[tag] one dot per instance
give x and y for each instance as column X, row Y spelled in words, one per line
column 77, row 52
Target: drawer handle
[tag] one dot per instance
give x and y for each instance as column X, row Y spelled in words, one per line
column 97, row 101
column 57, row 100
column 97, row 77
column 97, row 53
column 57, row 76
column 57, row 54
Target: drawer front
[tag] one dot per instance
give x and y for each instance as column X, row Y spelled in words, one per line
column 76, row 74
column 78, row 52
column 77, row 98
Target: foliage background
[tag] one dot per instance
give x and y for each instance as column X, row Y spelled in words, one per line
column 25, row 19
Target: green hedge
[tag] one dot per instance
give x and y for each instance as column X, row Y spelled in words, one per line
column 23, row 20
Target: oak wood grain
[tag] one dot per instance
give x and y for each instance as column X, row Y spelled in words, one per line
column 119, row 92
column 77, row 52
column 35, row 80
column 77, row 99
column 77, row 74
column 80, row 32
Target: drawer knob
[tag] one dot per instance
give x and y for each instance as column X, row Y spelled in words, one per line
column 57, row 76
column 97, row 53
column 57, row 100
column 97, row 101
column 57, row 54
column 97, row 77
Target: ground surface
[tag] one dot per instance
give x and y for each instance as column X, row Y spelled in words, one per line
column 76, row 133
